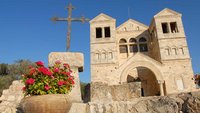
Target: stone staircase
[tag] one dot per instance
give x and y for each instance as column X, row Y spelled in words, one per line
column 11, row 97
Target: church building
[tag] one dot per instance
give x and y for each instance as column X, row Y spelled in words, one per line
column 156, row 55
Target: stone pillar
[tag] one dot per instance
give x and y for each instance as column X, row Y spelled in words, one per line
column 76, row 62
column 103, row 32
column 169, row 27
column 160, row 82
column 128, row 48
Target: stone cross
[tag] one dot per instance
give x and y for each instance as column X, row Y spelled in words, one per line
column 69, row 19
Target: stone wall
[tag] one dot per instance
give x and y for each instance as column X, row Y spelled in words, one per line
column 177, row 103
column 103, row 92
column 11, row 97
column 140, row 105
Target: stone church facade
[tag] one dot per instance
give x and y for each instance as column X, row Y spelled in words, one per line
column 157, row 55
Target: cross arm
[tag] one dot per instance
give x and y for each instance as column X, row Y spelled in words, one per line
column 82, row 19
column 59, row 19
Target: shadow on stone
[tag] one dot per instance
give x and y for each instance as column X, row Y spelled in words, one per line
column 86, row 96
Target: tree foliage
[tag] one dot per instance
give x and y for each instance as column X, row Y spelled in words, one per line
column 4, row 69
column 11, row 72
column 5, row 82
column 20, row 67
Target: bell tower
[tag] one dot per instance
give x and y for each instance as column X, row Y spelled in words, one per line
column 102, row 46
column 169, row 38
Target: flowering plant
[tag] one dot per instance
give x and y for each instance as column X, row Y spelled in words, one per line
column 40, row 80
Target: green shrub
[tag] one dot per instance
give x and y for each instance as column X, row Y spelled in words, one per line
column 5, row 82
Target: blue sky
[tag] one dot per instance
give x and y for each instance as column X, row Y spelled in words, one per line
column 26, row 31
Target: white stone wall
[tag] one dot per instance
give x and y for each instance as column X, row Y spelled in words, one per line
column 11, row 97
column 181, row 71
column 103, row 51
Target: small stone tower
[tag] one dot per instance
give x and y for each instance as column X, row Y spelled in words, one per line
column 103, row 46
column 170, row 47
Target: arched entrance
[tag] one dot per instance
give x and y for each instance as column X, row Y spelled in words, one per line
column 149, row 84
column 148, row 74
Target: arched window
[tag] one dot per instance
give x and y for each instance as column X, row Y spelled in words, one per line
column 181, row 51
column 142, row 39
column 167, row 50
column 122, row 41
column 132, row 40
column 133, row 46
column 97, row 55
column 110, row 55
column 103, row 56
column 123, row 47
column 143, row 44
column 174, row 51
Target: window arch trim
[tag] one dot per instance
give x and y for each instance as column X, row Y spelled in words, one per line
column 122, row 41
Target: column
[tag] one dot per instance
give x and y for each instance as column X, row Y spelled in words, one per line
column 160, row 82
column 169, row 27
column 128, row 50
column 103, row 32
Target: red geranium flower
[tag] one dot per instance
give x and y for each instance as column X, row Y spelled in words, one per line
column 68, row 73
column 45, row 71
column 32, row 71
column 49, row 73
column 66, row 65
column 56, row 70
column 72, row 81
column 46, row 87
column 60, row 83
column 30, row 81
column 39, row 63
column 42, row 70
column 64, row 73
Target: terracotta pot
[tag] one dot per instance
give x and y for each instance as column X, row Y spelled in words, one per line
column 53, row 103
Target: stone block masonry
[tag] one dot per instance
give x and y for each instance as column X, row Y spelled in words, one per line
column 74, row 59
column 11, row 97
column 101, row 92
column 176, row 103
column 76, row 62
